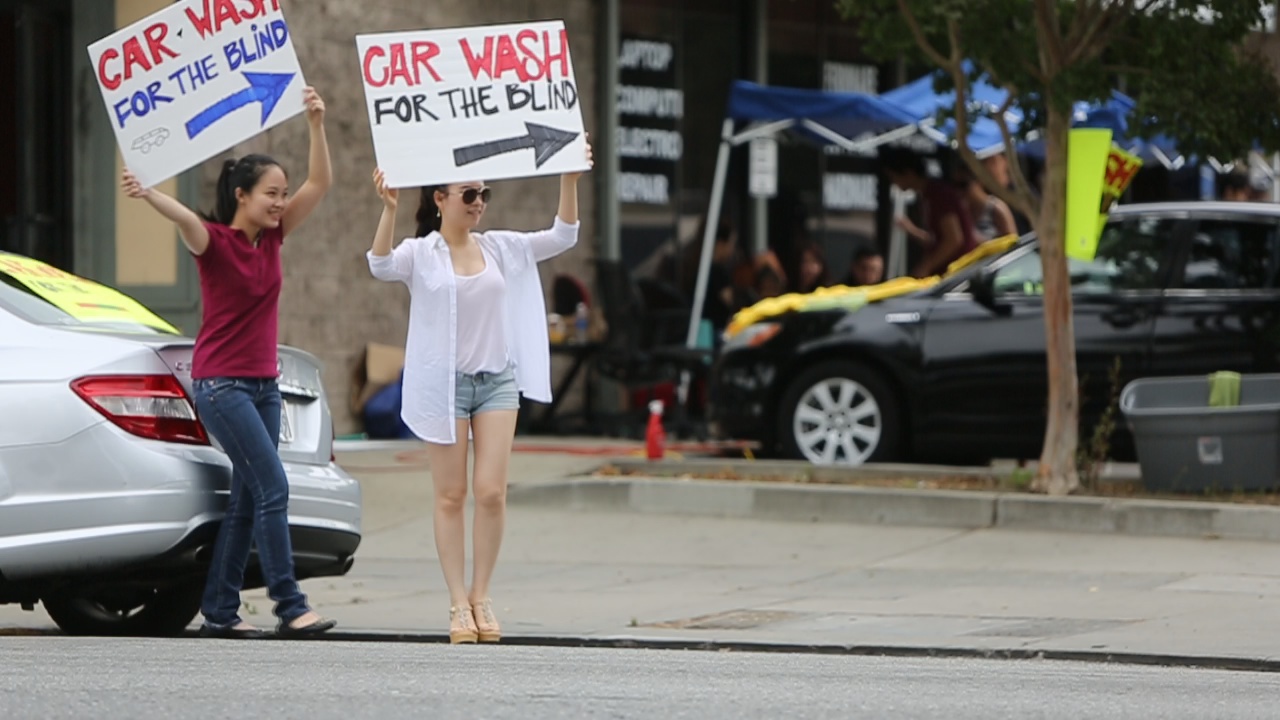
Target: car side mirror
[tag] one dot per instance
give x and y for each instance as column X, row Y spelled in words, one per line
column 983, row 288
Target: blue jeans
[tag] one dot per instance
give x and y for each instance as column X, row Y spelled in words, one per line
column 243, row 414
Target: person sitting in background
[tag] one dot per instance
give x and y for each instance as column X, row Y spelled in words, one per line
column 1235, row 187
column 948, row 232
column 867, row 267
column 770, row 280
column 720, row 301
column 812, row 269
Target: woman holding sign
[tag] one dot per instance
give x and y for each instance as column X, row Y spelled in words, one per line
column 237, row 251
column 477, row 341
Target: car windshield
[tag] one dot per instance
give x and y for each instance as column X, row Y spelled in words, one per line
column 17, row 299
column 1128, row 258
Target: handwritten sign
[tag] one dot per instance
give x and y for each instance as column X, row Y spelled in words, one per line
column 194, row 79
column 477, row 103
column 82, row 299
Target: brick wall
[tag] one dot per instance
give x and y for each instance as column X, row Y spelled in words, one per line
column 330, row 305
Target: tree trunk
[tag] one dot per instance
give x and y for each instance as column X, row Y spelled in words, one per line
column 1057, row 472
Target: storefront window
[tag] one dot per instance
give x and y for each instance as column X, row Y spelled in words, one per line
column 676, row 64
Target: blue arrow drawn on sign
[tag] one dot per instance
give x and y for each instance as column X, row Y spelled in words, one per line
column 266, row 88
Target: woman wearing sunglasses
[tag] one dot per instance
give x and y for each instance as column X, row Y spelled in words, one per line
column 477, row 340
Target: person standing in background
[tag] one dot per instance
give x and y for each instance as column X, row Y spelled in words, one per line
column 948, row 233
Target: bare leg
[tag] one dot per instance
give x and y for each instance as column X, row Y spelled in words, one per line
column 494, row 434
column 449, row 476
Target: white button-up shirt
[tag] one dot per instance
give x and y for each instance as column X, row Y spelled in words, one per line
column 425, row 266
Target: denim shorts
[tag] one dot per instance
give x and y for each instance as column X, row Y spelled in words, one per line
column 485, row 391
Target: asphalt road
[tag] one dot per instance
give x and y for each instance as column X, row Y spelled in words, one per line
column 55, row 677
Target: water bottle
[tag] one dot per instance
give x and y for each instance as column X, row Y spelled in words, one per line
column 581, row 318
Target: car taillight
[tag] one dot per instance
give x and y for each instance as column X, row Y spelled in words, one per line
column 149, row 406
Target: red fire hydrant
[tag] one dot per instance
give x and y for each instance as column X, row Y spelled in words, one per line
column 655, row 438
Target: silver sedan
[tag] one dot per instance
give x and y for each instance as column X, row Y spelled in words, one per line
column 111, row 491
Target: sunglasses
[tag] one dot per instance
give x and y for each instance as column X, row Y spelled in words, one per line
column 470, row 194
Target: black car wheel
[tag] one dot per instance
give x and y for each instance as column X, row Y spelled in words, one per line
column 157, row 612
column 839, row 413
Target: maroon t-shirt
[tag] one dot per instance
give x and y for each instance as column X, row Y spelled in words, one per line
column 240, row 289
column 941, row 199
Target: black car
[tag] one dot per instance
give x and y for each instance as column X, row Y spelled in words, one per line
column 957, row 373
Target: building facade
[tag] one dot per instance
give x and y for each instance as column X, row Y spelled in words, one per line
column 653, row 78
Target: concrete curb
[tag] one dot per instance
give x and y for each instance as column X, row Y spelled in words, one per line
column 839, row 473
column 959, row 509
column 643, row 643
column 624, row 642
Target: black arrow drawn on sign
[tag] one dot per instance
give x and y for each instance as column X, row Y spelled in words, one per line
column 544, row 140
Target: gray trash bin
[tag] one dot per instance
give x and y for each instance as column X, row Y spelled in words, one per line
column 1186, row 446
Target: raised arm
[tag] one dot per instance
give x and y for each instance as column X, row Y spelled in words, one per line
column 568, row 210
column 190, row 227
column 564, row 233
column 319, row 171
column 385, row 264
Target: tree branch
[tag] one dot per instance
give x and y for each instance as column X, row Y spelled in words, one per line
column 1027, row 203
column 1050, row 31
column 1095, row 35
column 925, row 46
column 1126, row 70
column 1083, row 23
column 1023, row 199
column 1036, row 73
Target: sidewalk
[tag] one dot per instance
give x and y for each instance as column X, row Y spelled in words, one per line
column 615, row 577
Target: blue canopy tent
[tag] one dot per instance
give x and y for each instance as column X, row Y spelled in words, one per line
column 924, row 102
column 848, row 120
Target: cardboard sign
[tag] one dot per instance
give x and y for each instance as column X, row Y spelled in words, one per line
column 478, row 103
column 1122, row 166
column 82, row 299
column 194, row 79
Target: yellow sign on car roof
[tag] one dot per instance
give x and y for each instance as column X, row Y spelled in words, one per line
column 82, row 299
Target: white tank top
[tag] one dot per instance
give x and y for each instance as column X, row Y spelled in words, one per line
column 482, row 340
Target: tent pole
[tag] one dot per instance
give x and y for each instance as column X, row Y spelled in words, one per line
column 704, row 262
column 709, row 233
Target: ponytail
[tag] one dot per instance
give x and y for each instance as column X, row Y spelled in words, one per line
column 428, row 216
column 242, row 174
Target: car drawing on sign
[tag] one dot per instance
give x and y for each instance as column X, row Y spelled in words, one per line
column 956, row 372
column 111, row 490
column 152, row 139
